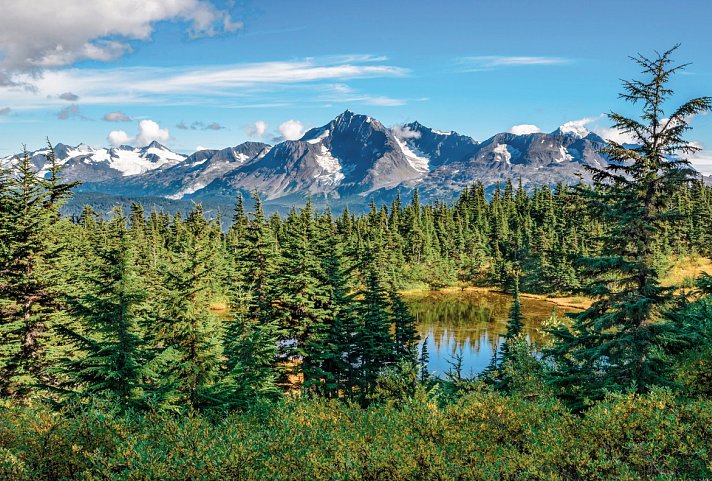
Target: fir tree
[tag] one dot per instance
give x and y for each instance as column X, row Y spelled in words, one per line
column 109, row 300
column 618, row 344
column 250, row 350
column 185, row 324
column 30, row 280
column 405, row 333
column 375, row 341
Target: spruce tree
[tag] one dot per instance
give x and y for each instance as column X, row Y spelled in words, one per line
column 185, row 324
column 496, row 372
column 30, row 280
column 257, row 258
column 326, row 348
column 405, row 333
column 252, row 335
column 300, row 293
column 515, row 322
column 108, row 300
column 619, row 343
column 423, row 360
column 374, row 338
column 250, row 373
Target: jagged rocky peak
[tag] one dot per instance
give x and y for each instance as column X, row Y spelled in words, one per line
column 347, row 126
column 418, row 128
column 438, row 146
column 350, row 156
column 156, row 145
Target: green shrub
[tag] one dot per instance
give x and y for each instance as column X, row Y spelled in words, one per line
column 482, row 435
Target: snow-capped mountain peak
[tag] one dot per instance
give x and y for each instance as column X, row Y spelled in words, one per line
column 85, row 163
column 574, row 128
column 351, row 156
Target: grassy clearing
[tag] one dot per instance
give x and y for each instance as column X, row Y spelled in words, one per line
column 684, row 270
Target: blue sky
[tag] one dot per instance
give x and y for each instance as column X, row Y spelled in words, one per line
column 212, row 74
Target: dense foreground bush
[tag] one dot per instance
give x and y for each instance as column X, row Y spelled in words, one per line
column 481, row 436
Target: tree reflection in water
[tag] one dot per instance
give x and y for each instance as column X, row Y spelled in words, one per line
column 472, row 323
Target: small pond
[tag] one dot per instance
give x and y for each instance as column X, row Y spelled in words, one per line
column 471, row 323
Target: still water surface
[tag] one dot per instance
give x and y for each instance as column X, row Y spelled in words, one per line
column 472, row 323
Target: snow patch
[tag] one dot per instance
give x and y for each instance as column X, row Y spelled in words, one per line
column 164, row 154
column 320, row 137
column 419, row 163
column 331, row 168
column 195, row 187
column 563, row 155
column 440, row 132
column 134, row 162
column 501, row 153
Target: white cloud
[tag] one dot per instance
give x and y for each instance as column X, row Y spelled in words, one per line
column 116, row 117
column 614, row 135
column 381, row 101
column 702, row 159
column 118, row 137
column 593, row 124
column 404, row 132
column 492, row 62
column 192, row 85
column 47, row 33
column 523, row 129
column 148, row 131
column 257, row 130
column 291, row 130
column 345, row 94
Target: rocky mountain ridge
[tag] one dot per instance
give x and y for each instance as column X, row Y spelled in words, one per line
column 351, row 157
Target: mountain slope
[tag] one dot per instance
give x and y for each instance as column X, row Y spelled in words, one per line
column 536, row 159
column 186, row 177
column 349, row 158
column 87, row 164
column 352, row 154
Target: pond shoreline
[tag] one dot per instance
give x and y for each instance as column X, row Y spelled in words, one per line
column 570, row 302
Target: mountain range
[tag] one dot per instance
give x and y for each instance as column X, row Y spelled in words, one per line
column 348, row 160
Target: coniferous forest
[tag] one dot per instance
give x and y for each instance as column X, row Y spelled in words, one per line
column 154, row 346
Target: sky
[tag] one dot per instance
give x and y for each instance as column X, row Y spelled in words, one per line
column 214, row 73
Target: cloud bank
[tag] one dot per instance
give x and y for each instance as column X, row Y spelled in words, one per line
column 195, row 85
column 148, row 131
column 49, row 34
column 404, row 132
